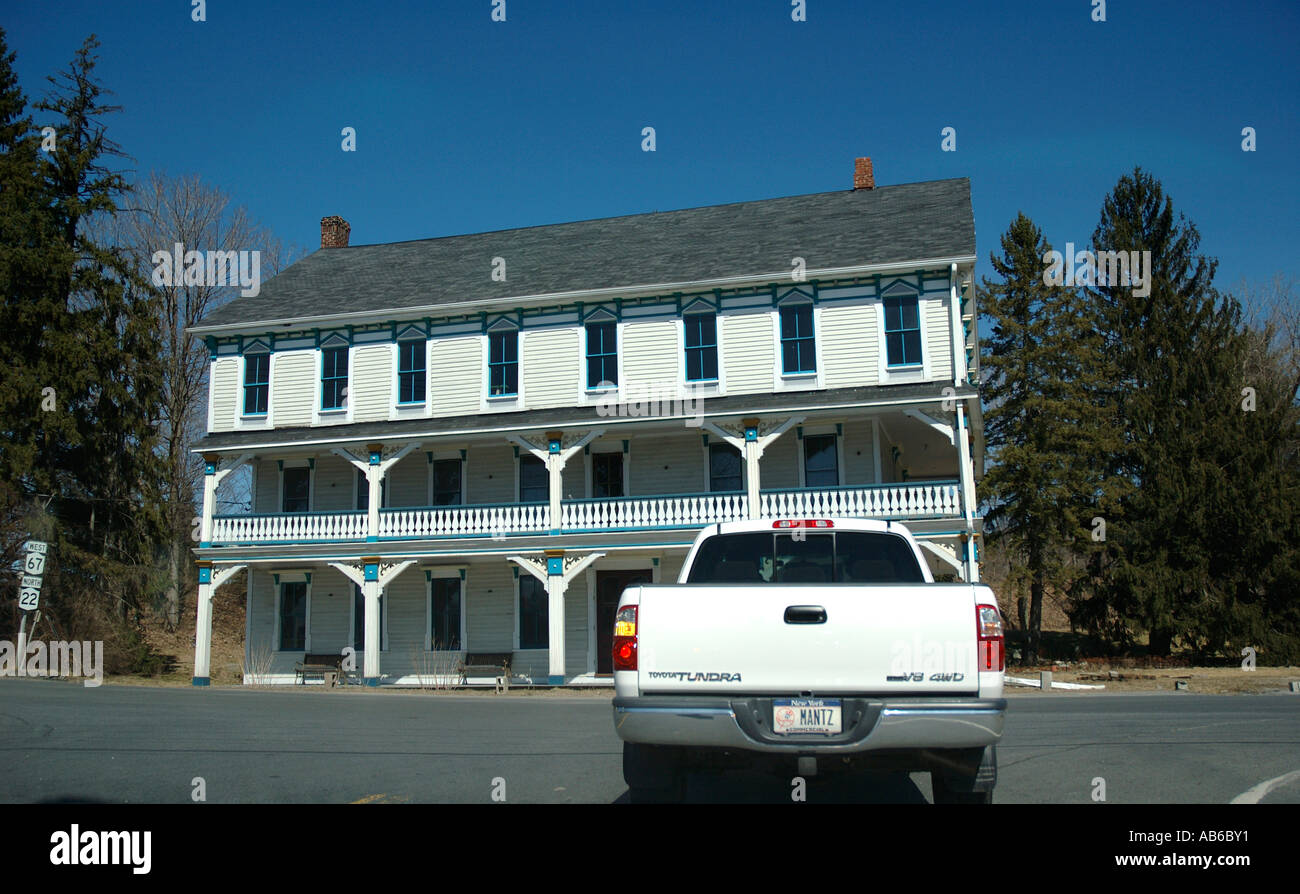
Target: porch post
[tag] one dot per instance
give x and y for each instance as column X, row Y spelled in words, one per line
column 203, row 625
column 209, row 499
column 969, row 555
column 370, row 590
column 555, row 461
column 208, row 583
column 374, row 478
column 555, row 587
column 752, row 454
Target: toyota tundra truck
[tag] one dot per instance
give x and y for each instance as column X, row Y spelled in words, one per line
column 809, row 646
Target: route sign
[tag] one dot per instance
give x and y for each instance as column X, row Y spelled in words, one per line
column 29, row 588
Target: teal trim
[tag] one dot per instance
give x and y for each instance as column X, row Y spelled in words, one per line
column 555, row 681
column 200, row 681
column 205, row 544
column 205, row 575
column 372, row 681
column 299, row 557
column 554, row 565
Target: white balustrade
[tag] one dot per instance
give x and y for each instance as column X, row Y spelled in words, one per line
column 921, row 499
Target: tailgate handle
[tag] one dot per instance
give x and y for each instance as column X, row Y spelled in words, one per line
column 805, row 614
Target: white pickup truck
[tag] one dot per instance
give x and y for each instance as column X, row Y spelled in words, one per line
column 805, row 646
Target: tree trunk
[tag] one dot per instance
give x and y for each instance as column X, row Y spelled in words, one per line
column 1035, row 615
column 174, row 587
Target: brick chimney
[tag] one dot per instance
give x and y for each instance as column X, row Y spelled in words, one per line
column 334, row 232
column 863, row 178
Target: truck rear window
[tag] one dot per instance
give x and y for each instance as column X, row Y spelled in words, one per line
column 841, row 557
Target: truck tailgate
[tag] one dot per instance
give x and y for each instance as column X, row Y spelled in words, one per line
column 866, row 639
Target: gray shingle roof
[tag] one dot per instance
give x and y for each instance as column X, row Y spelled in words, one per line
column 886, row 225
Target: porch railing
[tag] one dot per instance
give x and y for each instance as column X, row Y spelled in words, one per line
column 912, row 500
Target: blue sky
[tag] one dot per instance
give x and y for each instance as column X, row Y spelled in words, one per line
column 464, row 124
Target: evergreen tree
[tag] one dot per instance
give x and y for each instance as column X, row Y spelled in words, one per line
column 1174, row 358
column 1040, row 422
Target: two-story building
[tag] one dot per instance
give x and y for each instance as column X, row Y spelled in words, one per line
column 474, row 443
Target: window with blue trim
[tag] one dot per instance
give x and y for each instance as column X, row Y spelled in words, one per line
column 726, row 468
column 602, row 355
column 293, row 617
column 503, row 363
column 334, row 379
column 412, row 370
column 701, row 347
column 798, row 347
column 257, row 383
column 902, row 330
column 534, row 614
column 534, row 480
column 444, row 634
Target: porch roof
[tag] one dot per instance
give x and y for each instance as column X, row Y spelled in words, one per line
column 736, row 405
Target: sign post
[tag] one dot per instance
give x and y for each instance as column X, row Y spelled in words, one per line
column 29, row 593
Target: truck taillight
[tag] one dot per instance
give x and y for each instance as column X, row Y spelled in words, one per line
column 786, row 523
column 988, row 631
column 625, row 639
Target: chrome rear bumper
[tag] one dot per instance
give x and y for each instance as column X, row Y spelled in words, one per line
column 869, row 724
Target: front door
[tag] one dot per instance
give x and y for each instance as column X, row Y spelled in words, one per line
column 609, row 586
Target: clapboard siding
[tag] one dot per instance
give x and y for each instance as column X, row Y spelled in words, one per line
column 293, row 387
column 667, row 464
column 334, row 484
column 650, row 358
column 748, row 354
column 371, row 394
column 938, row 338
column 858, row 453
column 331, row 611
column 670, row 566
column 849, row 345
column 550, row 367
column 573, row 479
column 490, row 608
column 261, row 615
column 408, row 481
column 224, row 393
column 491, row 472
column 456, row 374
column 408, row 616
column 779, row 466
column 266, row 486
column 575, row 628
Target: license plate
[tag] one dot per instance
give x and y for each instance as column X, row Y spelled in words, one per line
column 806, row 715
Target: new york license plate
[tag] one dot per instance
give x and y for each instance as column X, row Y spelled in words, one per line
column 806, row 715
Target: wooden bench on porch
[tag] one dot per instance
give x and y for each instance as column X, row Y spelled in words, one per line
column 492, row 664
column 327, row 665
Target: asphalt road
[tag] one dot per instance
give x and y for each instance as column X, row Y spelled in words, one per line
column 60, row 741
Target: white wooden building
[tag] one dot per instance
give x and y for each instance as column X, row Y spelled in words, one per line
column 472, row 444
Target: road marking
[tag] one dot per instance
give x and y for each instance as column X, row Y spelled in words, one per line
column 1256, row 794
column 383, row 799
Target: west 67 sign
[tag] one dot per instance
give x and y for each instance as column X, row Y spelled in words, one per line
column 29, row 588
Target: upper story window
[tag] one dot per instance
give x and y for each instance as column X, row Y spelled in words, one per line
column 334, row 378
column 902, row 327
column 446, row 482
column 297, row 489
column 257, row 383
column 798, row 347
column 606, row 475
column 701, row 331
column 534, row 482
column 725, row 468
column 821, row 467
column 602, row 355
column 503, row 363
column 412, row 371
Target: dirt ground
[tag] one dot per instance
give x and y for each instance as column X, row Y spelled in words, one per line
column 1205, row 680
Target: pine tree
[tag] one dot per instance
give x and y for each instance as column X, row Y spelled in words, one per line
column 1174, row 393
column 1039, row 420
